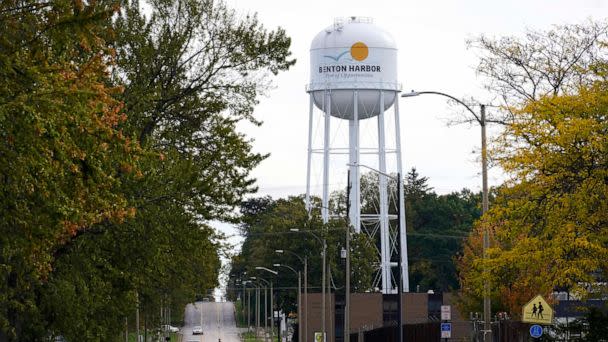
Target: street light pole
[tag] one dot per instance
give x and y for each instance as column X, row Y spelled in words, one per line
column 487, row 308
column 347, row 266
column 481, row 119
column 299, row 299
column 399, row 261
column 305, row 308
column 248, row 309
column 266, row 283
column 271, row 307
column 324, row 254
column 257, row 306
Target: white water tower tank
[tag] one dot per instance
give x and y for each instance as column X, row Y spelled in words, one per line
column 353, row 54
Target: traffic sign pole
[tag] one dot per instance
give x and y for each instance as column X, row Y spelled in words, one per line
column 446, row 326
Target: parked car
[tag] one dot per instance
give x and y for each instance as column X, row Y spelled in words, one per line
column 197, row 330
column 169, row 328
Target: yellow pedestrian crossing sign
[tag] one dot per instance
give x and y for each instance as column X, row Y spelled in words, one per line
column 537, row 311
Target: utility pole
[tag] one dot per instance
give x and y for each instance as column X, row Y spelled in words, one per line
column 137, row 316
column 481, row 119
column 400, row 282
column 300, row 306
column 305, row 298
column 265, row 311
column 323, row 291
column 257, row 308
column 487, row 308
column 347, row 285
column 271, row 314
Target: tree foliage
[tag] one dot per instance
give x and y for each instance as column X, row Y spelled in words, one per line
column 540, row 63
column 437, row 226
column 62, row 151
column 120, row 144
column 548, row 224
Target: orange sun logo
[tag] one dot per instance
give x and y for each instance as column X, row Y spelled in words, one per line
column 359, row 51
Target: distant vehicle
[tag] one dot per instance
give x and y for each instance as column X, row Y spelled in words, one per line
column 197, row 330
column 205, row 299
column 169, row 328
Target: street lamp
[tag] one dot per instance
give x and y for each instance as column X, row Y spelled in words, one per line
column 304, row 261
column 399, row 260
column 257, row 305
column 297, row 273
column 248, row 304
column 481, row 119
column 324, row 244
column 271, row 297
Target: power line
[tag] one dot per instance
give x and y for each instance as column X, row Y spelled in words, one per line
column 433, row 235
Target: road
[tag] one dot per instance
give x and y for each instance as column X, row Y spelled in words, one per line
column 218, row 322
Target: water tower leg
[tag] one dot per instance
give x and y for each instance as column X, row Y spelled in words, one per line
column 327, row 112
column 385, row 240
column 402, row 228
column 355, row 175
column 309, row 160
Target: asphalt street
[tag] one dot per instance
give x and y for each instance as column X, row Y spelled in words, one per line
column 217, row 319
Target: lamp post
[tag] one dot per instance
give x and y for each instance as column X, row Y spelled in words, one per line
column 324, row 244
column 248, row 304
column 243, row 297
column 298, row 274
column 481, row 119
column 257, row 306
column 271, row 297
column 266, row 284
column 304, row 311
column 399, row 260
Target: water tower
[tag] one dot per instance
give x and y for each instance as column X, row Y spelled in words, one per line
column 353, row 79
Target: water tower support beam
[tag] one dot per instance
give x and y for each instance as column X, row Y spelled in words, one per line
column 383, row 198
column 326, row 141
column 308, row 166
column 354, row 154
column 402, row 228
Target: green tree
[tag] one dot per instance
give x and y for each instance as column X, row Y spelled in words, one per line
column 100, row 208
column 266, row 225
column 184, row 68
column 62, row 152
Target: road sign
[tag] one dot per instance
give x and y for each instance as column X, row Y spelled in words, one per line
column 537, row 311
column 536, row 330
column 446, row 330
column 446, row 313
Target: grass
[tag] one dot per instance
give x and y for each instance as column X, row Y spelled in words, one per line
column 250, row 337
column 151, row 336
column 241, row 320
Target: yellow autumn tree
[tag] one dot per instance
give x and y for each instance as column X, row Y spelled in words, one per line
column 549, row 224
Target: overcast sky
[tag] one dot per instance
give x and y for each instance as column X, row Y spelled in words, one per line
column 431, row 37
